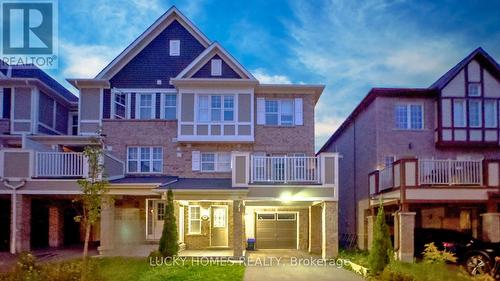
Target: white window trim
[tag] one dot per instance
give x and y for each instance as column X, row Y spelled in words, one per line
column 464, row 113
column 138, row 91
column 70, row 123
column 479, row 93
column 495, row 113
column 174, row 48
column 222, row 109
column 114, row 103
column 480, row 113
column 216, row 162
column 163, row 107
column 408, row 116
column 280, row 113
column 138, row 160
column 216, row 67
column 138, row 105
column 190, row 232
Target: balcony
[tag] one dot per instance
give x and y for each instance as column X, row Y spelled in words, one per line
column 435, row 173
column 284, row 169
column 60, row 165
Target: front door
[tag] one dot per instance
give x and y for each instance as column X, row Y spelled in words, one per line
column 156, row 214
column 219, row 233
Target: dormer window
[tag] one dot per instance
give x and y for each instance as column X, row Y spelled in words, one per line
column 474, row 90
column 175, row 48
column 216, row 67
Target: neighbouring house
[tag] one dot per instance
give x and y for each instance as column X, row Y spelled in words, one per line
column 432, row 154
column 177, row 111
column 38, row 115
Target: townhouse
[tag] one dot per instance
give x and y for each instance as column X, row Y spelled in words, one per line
column 177, row 111
column 432, row 155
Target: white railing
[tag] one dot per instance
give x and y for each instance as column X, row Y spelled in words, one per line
column 60, row 164
column 285, row 169
column 450, row 172
column 386, row 178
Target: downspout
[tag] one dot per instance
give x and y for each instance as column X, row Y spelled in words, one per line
column 354, row 180
column 13, row 226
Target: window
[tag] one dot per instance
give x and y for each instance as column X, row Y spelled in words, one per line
column 459, row 113
column 145, row 159
column 475, row 113
column 170, row 107
column 146, row 106
column 74, row 124
column 216, row 162
column 409, row 116
column 388, row 161
column 286, row 117
column 219, row 216
column 175, row 48
column 279, row 112
column 474, row 89
column 286, row 217
column 160, row 211
column 120, row 105
column 216, row 67
column 490, row 113
column 216, row 108
column 272, row 112
column 267, row 217
column 194, row 226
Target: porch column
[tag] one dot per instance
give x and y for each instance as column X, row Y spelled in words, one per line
column 107, row 225
column 315, row 223
column 329, row 230
column 56, row 225
column 491, row 227
column 404, row 226
column 238, row 228
column 20, row 223
column 370, row 223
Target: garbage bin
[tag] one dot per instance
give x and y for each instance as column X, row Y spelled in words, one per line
column 251, row 244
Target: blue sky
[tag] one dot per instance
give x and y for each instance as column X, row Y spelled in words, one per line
column 350, row 46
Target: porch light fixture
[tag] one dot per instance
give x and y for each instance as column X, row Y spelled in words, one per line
column 286, row 197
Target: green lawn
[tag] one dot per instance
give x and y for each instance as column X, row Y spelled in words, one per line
column 128, row 269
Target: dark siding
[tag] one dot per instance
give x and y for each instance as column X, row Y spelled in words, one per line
column 106, row 104
column 158, row 106
column 6, row 103
column 154, row 62
column 62, row 118
column 132, row 106
column 45, row 131
column 46, row 110
column 227, row 71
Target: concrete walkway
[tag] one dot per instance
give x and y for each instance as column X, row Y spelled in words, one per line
column 271, row 265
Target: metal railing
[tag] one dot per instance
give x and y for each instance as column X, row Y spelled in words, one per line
column 60, row 164
column 285, row 169
column 450, row 172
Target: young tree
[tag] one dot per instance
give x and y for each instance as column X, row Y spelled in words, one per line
column 381, row 251
column 169, row 245
column 92, row 187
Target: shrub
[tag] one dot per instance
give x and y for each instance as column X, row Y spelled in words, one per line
column 169, row 245
column 433, row 255
column 381, row 251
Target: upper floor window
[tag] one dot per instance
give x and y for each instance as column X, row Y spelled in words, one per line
column 474, row 89
column 170, row 107
column 215, row 162
column 175, row 48
column 409, row 116
column 475, row 113
column 490, row 113
column 459, row 113
column 216, row 108
column 216, row 67
column 144, row 159
column 279, row 112
column 146, row 108
column 120, row 105
column 73, row 124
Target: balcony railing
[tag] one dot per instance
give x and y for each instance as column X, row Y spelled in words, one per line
column 450, row 172
column 284, row 169
column 60, row 165
column 386, row 178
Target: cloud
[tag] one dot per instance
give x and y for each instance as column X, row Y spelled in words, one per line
column 85, row 61
column 265, row 78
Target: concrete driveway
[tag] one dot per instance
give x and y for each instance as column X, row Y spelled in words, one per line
column 271, row 265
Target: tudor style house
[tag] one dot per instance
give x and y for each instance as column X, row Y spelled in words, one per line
column 176, row 111
column 432, row 154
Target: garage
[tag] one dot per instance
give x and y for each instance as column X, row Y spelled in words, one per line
column 276, row 230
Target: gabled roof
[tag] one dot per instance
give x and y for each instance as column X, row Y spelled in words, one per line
column 205, row 56
column 370, row 97
column 147, row 36
column 478, row 54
